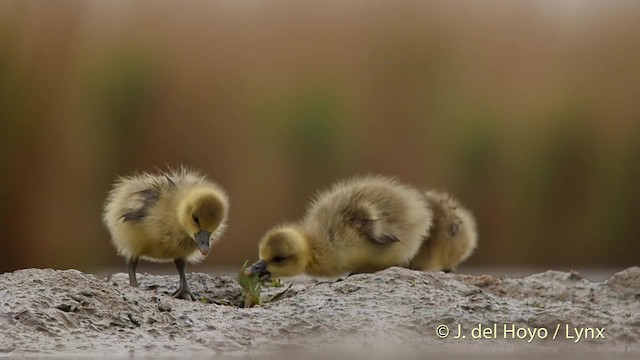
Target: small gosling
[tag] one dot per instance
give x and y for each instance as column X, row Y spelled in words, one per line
column 452, row 238
column 175, row 215
column 363, row 224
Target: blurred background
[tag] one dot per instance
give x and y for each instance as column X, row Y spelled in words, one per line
column 527, row 111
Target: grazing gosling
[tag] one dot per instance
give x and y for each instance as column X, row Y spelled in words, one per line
column 452, row 238
column 176, row 215
column 362, row 224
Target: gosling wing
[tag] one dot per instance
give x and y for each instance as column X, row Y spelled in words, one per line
column 364, row 223
column 144, row 199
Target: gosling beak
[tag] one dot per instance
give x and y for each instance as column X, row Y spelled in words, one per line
column 258, row 268
column 202, row 239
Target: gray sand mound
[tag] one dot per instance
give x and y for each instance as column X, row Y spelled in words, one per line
column 53, row 312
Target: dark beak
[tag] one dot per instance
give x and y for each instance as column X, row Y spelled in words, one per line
column 258, row 268
column 202, row 239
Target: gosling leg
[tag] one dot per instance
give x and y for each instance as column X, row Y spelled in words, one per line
column 132, row 263
column 183, row 291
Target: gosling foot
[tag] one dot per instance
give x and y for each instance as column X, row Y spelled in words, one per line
column 183, row 293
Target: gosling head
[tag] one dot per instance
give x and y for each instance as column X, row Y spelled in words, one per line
column 283, row 251
column 201, row 213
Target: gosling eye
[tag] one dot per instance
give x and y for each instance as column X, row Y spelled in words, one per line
column 195, row 219
column 279, row 259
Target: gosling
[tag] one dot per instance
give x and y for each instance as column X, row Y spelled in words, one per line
column 359, row 225
column 452, row 238
column 175, row 215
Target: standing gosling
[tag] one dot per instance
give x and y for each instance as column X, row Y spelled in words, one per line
column 177, row 215
column 452, row 238
column 363, row 224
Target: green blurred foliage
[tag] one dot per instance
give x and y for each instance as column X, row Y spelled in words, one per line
column 16, row 118
column 116, row 91
column 118, row 88
column 305, row 125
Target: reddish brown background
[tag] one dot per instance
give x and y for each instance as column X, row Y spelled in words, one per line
column 528, row 111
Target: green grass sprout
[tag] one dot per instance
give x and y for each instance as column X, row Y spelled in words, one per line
column 251, row 287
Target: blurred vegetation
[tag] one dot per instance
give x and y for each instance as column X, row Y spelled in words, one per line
column 305, row 125
column 116, row 92
column 527, row 111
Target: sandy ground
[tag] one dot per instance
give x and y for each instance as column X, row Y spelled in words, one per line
column 396, row 312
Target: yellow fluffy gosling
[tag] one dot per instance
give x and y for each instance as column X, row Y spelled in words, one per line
column 363, row 224
column 452, row 238
column 176, row 215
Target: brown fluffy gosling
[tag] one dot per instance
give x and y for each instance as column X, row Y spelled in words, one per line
column 363, row 224
column 452, row 238
column 176, row 215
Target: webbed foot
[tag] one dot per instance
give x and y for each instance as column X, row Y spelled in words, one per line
column 183, row 293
